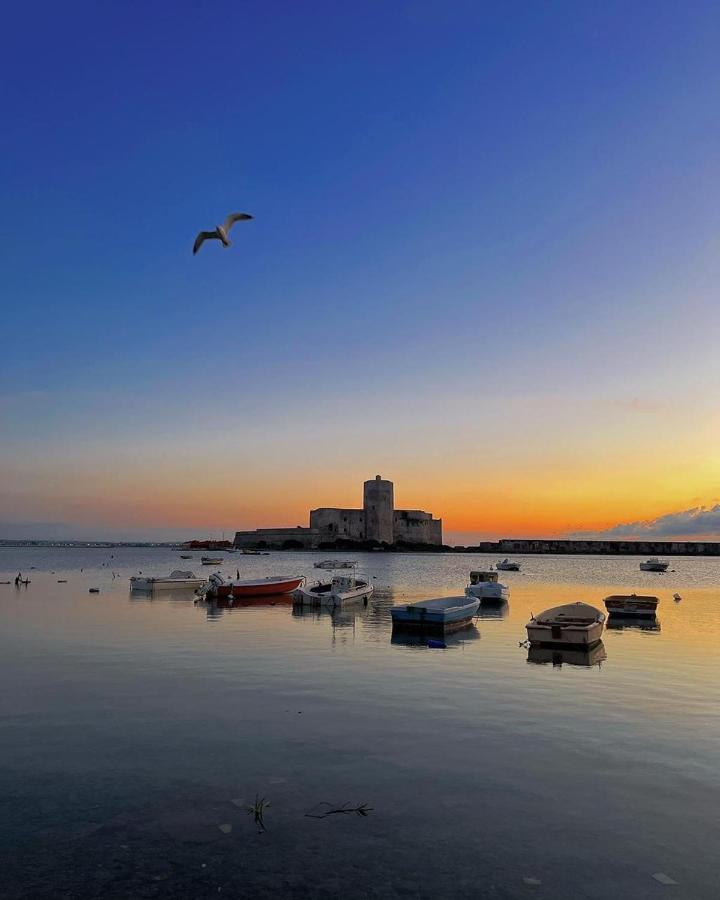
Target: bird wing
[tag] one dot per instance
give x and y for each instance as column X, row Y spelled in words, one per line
column 204, row 236
column 233, row 218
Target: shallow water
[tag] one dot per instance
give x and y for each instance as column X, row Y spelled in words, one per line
column 130, row 725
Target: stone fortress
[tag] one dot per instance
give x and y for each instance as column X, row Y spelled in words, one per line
column 378, row 521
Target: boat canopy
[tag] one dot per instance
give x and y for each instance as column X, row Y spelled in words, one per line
column 569, row 613
column 479, row 577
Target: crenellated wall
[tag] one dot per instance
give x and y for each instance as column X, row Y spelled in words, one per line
column 417, row 527
column 334, row 522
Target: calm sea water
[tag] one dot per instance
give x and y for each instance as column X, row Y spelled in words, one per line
column 133, row 728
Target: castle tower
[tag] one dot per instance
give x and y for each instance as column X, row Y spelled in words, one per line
column 379, row 506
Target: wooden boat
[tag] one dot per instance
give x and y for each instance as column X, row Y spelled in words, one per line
column 446, row 613
column 342, row 589
column 631, row 605
column 485, row 586
column 253, row 587
column 211, row 560
column 654, row 565
column 176, row 579
column 573, row 625
column 506, row 565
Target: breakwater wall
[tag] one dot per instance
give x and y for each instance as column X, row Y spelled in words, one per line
column 619, row 548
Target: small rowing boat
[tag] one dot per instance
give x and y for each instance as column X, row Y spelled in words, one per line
column 446, row 613
column 573, row 624
column 631, row 605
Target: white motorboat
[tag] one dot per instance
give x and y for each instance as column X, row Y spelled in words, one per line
column 485, row 586
column 176, row 579
column 336, row 564
column 506, row 565
column 340, row 590
column 654, row 565
column 573, row 624
column 635, row 605
column 446, row 613
column 211, row 560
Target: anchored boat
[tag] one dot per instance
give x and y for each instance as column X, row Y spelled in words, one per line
column 507, row 565
column 636, row 605
column 573, row 625
column 485, row 586
column 211, row 560
column 335, row 564
column 446, row 613
column 253, row 587
column 176, row 579
column 654, row 565
column 340, row 590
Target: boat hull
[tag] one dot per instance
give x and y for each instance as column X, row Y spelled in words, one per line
column 565, row 635
column 632, row 606
column 425, row 615
column 162, row 584
column 256, row 589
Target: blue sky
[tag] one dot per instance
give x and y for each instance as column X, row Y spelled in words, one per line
column 483, row 233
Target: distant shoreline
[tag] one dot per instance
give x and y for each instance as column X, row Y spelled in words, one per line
column 502, row 548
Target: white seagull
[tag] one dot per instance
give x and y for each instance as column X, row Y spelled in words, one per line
column 221, row 232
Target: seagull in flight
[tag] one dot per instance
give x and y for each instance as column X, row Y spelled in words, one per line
column 221, row 232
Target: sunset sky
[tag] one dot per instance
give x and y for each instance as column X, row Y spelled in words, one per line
column 485, row 264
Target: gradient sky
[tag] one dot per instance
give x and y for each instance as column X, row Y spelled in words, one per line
column 485, row 263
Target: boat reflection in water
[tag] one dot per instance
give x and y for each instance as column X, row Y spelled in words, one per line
column 335, row 615
column 217, row 606
column 565, row 656
column 180, row 596
column 625, row 623
column 493, row 609
column 419, row 640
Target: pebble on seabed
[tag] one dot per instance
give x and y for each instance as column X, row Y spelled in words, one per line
column 663, row 878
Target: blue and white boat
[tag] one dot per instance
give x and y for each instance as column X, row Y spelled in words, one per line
column 445, row 613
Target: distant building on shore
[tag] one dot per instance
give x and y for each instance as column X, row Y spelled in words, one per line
column 378, row 521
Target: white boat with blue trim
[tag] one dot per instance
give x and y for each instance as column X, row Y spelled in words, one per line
column 485, row 586
column 446, row 613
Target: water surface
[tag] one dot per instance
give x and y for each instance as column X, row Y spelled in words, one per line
column 132, row 728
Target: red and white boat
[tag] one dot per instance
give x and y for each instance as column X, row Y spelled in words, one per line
column 253, row 587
